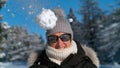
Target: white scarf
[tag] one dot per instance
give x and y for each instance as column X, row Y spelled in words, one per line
column 58, row 55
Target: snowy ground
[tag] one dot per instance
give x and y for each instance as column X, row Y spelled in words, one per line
column 18, row 65
column 109, row 66
column 11, row 65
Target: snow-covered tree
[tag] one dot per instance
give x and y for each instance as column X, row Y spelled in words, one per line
column 90, row 13
column 99, row 30
column 109, row 38
column 17, row 43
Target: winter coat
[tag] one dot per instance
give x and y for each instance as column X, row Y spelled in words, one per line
column 85, row 58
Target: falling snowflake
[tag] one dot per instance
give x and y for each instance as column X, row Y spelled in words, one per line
column 30, row 12
column 12, row 14
column 30, row 6
column 8, row 10
column 23, row 8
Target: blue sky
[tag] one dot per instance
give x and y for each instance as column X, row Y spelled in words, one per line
column 23, row 12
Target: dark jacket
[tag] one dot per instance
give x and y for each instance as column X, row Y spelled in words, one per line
column 79, row 60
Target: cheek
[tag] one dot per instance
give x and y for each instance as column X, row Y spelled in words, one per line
column 53, row 45
column 67, row 44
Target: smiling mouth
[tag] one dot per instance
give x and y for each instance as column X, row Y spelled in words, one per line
column 61, row 48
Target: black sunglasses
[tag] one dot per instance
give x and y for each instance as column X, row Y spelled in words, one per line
column 54, row 38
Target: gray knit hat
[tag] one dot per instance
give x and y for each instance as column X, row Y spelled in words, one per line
column 62, row 25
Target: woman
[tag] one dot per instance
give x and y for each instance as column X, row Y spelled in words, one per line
column 61, row 50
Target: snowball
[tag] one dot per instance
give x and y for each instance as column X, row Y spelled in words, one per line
column 46, row 19
column 70, row 20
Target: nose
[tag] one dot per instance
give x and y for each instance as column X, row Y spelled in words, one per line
column 60, row 44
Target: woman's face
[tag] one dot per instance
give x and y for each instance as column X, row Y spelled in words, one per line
column 59, row 40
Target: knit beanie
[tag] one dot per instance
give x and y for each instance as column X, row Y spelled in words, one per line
column 62, row 25
column 53, row 20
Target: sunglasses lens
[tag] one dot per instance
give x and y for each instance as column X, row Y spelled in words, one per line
column 65, row 37
column 52, row 39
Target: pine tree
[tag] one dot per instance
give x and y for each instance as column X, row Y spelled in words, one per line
column 76, row 26
column 2, row 3
column 91, row 14
column 109, row 36
column 71, row 16
column 0, row 32
column 94, row 21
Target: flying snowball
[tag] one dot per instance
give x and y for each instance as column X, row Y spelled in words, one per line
column 46, row 19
